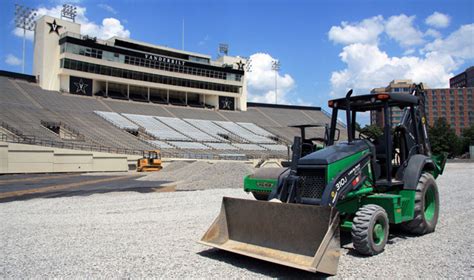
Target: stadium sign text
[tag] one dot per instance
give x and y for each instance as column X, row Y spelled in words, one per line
column 164, row 59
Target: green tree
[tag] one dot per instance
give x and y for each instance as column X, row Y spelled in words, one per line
column 443, row 139
column 467, row 138
column 372, row 131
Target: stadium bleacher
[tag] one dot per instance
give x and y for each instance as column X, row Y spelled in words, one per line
column 189, row 145
column 244, row 133
column 117, row 120
column 156, row 128
column 187, row 129
column 255, row 129
column 261, row 130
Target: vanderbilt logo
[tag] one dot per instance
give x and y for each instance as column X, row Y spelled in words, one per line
column 164, row 59
column 54, row 27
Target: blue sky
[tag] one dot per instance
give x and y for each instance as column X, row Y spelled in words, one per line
column 325, row 47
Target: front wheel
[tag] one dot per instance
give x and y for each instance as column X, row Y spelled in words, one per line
column 370, row 230
column 426, row 207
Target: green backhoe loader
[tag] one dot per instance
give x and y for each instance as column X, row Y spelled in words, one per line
column 361, row 185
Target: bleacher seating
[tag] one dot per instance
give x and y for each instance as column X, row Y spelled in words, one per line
column 160, row 144
column 282, row 148
column 210, row 128
column 255, row 129
column 117, row 120
column 189, row 145
column 221, row 146
column 244, row 133
column 249, row 147
column 187, row 129
column 156, row 128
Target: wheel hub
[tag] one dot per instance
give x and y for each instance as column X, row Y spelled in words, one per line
column 379, row 233
column 430, row 205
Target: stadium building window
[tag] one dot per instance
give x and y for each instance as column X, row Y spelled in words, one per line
column 143, row 62
column 135, row 75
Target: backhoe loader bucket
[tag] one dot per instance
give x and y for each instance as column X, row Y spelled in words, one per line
column 300, row 236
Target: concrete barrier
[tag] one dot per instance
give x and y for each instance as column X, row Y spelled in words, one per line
column 23, row 158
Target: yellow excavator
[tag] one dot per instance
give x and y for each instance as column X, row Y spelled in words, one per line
column 151, row 161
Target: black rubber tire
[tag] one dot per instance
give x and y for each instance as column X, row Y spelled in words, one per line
column 420, row 225
column 261, row 195
column 363, row 229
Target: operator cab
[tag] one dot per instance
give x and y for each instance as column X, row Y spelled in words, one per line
column 312, row 144
column 398, row 143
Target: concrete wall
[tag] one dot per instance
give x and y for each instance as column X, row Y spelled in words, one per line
column 22, row 158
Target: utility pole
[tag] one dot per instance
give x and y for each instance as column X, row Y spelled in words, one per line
column 182, row 36
column 24, row 19
column 276, row 67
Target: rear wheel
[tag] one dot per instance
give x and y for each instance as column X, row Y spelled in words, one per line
column 426, row 207
column 260, row 195
column 370, row 230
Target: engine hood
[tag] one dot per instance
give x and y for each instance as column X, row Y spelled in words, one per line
column 333, row 153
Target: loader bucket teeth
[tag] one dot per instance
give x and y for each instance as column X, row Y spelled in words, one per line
column 300, row 236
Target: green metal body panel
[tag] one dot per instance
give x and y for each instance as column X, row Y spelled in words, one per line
column 337, row 167
column 258, row 184
column 440, row 162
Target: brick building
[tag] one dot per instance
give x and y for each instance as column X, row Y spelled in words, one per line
column 464, row 79
column 453, row 104
column 395, row 86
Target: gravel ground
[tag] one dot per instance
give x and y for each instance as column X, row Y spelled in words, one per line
column 122, row 235
column 201, row 175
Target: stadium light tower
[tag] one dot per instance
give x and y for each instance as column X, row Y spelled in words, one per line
column 24, row 19
column 69, row 11
column 276, row 67
column 224, row 49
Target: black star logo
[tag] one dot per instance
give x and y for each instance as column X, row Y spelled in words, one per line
column 81, row 86
column 240, row 65
column 54, row 27
column 227, row 104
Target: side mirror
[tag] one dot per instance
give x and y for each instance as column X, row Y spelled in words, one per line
column 337, row 134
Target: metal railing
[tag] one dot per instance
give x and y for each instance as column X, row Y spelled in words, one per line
column 10, row 128
column 33, row 140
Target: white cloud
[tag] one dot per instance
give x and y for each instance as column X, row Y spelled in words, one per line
column 438, row 20
column 109, row 27
column 401, row 29
column 459, row 44
column 108, row 8
column 366, row 31
column 261, row 82
column 369, row 67
column 12, row 60
column 433, row 33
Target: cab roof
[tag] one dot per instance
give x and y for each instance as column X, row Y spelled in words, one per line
column 369, row 102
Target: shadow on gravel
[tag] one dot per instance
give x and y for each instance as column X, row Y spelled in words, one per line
column 87, row 190
column 259, row 266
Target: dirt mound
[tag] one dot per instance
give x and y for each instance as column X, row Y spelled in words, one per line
column 202, row 175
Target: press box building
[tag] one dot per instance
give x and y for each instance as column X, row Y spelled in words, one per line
column 67, row 61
